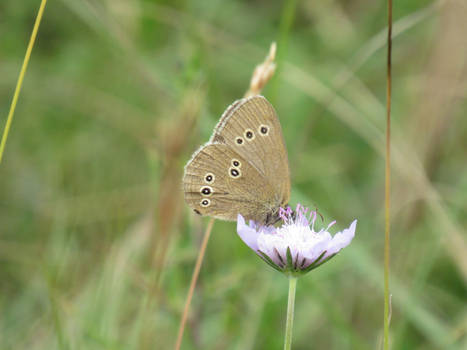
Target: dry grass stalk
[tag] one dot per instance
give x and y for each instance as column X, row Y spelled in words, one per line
column 261, row 75
column 173, row 142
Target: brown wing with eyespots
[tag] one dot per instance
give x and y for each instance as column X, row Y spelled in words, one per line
column 252, row 129
column 219, row 182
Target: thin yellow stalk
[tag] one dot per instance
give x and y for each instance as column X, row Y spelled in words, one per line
column 194, row 279
column 387, row 182
column 22, row 73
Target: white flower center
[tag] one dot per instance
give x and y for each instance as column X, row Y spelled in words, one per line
column 302, row 241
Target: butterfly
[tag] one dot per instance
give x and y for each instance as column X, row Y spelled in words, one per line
column 243, row 168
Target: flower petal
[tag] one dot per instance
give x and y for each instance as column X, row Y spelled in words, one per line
column 341, row 239
column 247, row 233
column 273, row 246
column 320, row 244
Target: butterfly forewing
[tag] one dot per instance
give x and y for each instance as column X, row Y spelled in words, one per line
column 251, row 128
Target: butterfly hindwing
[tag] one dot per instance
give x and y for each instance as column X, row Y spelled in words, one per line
column 219, row 182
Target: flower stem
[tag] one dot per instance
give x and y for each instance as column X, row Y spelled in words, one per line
column 290, row 312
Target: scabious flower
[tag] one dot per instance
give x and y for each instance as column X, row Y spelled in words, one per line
column 295, row 247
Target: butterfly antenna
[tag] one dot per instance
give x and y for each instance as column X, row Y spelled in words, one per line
column 320, row 215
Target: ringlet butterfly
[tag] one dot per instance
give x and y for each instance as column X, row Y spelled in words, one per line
column 243, row 168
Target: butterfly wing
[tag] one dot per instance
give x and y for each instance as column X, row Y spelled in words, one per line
column 251, row 128
column 219, row 182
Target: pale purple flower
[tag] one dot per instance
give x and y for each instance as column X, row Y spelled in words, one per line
column 295, row 247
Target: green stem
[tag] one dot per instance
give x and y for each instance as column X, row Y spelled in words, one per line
column 286, row 21
column 290, row 312
column 387, row 185
column 22, row 73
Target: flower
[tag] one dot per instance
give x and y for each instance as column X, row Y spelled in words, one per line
column 295, row 247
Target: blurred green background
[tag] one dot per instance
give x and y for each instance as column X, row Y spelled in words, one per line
column 96, row 244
